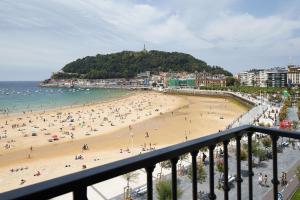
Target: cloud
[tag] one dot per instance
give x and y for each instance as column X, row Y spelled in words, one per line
column 247, row 30
column 48, row 34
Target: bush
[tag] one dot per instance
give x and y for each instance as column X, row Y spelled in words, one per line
column 244, row 154
column 201, row 173
column 164, row 190
column 267, row 142
column 298, row 172
column 220, row 165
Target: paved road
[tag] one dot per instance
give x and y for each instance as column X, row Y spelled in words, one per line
column 288, row 189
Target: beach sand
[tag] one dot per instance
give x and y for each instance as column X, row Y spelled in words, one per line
column 131, row 125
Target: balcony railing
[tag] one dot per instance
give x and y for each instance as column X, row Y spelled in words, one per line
column 78, row 182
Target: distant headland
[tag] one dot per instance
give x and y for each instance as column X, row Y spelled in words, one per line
column 129, row 65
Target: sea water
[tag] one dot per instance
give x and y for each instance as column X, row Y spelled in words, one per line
column 18, row 96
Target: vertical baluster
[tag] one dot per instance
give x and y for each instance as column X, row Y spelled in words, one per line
column 174, row 178
column 194, row 178
column 226, row 186
column 239, row 179
column 250, row 172
column 212, row 194
column 275, row 167
column 149, row 171
column 80, row 193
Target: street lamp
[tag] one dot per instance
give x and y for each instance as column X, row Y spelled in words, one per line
column 131, row 135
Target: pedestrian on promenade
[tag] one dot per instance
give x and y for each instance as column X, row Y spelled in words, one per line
column 203, row 157
column 266, row 180
column 282, row 179
column 260, row 179
column 285, row 178
column 293, row 144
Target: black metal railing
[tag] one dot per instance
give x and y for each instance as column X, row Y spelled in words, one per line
column 78, row 182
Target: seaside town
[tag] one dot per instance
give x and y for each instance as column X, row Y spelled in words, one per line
column 273, row 77
column 148, row 99
column 131, row 118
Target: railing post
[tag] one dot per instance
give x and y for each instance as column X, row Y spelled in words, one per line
column 226, row 186
column 212, row 194
column 275, row 167
column 239, row 179
column 250, row 171
column 194, row 174
column 149, row 171
column 80, row 193
column 174, row 177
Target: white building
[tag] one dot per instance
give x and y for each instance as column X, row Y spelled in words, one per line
column 243, row 78
column 255, row 77
column 293, row 75
column 262, row 78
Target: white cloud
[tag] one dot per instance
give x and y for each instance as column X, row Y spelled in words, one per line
column 247, row 30
column 51, row 33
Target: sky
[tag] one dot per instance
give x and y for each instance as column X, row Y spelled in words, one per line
column 38, row 37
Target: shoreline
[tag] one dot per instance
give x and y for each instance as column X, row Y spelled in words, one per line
column 68, row 106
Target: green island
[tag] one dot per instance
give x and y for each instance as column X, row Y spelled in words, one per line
column 127, row 64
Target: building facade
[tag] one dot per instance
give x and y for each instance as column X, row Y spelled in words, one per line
column 204, row 79
column 277, row 77
column 293, row 75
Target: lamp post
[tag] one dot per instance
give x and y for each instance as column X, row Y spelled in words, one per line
column 131, row 135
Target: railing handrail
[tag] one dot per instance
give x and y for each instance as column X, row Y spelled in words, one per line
column 64, row 184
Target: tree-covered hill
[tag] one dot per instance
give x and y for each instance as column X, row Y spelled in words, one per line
column 127, row 64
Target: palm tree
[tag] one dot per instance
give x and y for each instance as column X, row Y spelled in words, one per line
column 166, row 165
column 130, row 177
column 220, row 169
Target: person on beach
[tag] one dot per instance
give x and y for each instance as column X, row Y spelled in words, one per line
column 38, row 173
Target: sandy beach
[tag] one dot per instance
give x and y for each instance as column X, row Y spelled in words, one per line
column 43, row 145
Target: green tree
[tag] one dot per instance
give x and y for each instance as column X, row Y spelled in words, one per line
column 267, row 142
column 127, row 64
column 131, row 177
column 201, row 173
column 298, row 172
column 244, row 154
column 164, row 190
column 295, row 125
column 165, row 165
column 231, row 81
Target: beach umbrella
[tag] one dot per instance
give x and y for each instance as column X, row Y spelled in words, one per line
column 54, row 136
